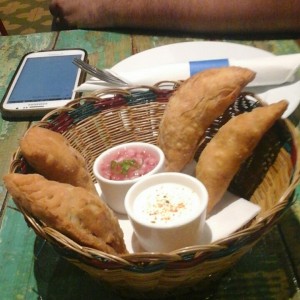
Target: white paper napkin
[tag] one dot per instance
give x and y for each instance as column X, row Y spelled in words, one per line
column 273, row 70
column 227, row 217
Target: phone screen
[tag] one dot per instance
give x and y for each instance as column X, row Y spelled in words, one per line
column 45, row 79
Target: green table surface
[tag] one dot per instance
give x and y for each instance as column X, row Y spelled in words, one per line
column 31, row 269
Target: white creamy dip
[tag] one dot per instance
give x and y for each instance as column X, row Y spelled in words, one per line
column 166, row 204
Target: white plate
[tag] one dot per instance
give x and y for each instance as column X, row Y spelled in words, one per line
column 193, row 51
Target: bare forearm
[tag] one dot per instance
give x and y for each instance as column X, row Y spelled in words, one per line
column 185, row 15
column 206, row 15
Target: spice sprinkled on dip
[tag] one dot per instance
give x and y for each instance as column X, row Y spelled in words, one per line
column 166, row 204
column 128, row 163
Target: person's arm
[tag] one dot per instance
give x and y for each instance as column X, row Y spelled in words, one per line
column 235, row 16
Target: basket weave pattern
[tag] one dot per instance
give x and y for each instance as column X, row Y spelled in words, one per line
column 108, row 118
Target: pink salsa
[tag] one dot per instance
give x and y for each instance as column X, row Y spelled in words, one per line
column 128, row 163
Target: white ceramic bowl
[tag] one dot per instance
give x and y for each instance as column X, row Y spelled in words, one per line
column 114, row 191
column 167, row 211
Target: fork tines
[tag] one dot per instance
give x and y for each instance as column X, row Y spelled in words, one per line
column 104, row 75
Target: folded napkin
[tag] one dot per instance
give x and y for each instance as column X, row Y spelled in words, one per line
column 229, row 215
column 272, row 70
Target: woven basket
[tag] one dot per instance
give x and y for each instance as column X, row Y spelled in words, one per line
column 110, row 117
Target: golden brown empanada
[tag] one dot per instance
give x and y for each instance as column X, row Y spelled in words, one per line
column 51, row 155
column 231, row 146
column 193, row 107
column 73, row 211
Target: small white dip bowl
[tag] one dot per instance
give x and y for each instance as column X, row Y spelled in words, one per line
column 167, row 211
column 125, row 159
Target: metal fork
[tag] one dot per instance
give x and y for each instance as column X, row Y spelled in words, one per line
column 103, row 74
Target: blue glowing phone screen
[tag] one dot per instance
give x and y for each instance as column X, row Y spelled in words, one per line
column 45, row 79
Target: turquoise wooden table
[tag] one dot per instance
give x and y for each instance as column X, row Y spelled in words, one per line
column 31, row 269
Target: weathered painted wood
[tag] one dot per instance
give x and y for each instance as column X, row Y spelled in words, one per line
column 274, row 46
column 290, row 233
column 16, row 264
column 144, row 42
column 104, row 48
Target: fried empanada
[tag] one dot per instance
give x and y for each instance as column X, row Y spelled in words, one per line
column 193, row 107
column 231, row 146
column 73, row 211
column 50, row 154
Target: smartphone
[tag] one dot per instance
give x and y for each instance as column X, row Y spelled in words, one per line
column 43, row 81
